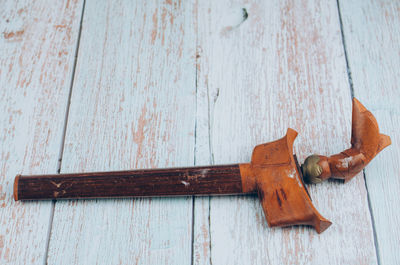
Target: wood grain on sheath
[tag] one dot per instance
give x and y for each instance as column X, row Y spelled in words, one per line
column 135, row 183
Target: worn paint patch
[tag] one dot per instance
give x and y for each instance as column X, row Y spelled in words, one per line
column 185, row 183
column 33, row 112
column 345, row 162
column 291, row 173
column 13, row 35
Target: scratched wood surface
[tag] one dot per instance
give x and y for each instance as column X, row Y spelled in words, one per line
column 264, row 66
column 372, row 37
column 37, row 46
column 171, row 83
column 132, row 106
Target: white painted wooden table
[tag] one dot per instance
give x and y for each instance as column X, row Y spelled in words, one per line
column 109, row 85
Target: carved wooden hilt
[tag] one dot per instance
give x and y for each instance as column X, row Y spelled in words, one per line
column 366, row 143
column 276, row 176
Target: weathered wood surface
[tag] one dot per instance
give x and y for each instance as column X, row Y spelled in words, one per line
column 132, row 106
column 194, row 83
column 37, row 47
column 282, row 66
column 372, row 37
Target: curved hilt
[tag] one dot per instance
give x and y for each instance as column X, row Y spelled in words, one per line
column 366, row 143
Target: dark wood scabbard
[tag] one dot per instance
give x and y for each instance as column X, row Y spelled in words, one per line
column 210, row 180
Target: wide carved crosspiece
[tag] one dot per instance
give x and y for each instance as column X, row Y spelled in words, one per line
column 275, row 175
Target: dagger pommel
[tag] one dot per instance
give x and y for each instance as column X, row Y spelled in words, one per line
column 366, row 143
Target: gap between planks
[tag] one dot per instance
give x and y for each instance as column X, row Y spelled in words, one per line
column 194, row 147
column 196, row 142
column 64, row 130
column 345, row 51
column 372, row 221
column 352, row 96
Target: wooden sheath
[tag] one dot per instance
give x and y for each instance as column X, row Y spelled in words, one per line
column 210, row 180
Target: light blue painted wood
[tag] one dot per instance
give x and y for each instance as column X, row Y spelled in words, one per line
column 284, row 66
column 37, row 45
column 132, row 106
column 135, row 105
column 372, row 35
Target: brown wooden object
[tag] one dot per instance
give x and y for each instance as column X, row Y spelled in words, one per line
column 366, row 143
column 208, row 180
column 273, row 173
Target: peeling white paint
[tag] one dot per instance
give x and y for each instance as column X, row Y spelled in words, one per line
column 204, row 172
column 143, row 117
column 38, row 44
column 185, row 183
column 346, row 161
column 292, row 173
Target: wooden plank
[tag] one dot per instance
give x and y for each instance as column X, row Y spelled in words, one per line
column 132, row 106
column 37, row 44
column 264, row 66
column 371, row 30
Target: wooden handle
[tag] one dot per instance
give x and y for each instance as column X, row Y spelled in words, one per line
column 214, row 180
column 366, row 143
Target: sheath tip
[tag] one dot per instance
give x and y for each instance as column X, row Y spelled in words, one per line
column 16, row 180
